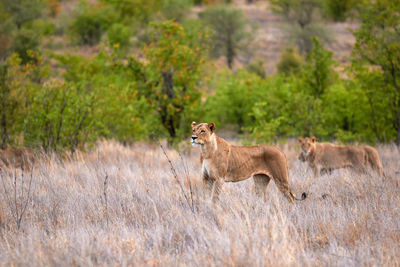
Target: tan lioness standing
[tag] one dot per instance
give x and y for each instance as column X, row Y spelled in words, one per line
column 223, row 162
column 18, row 158
column 325, row 157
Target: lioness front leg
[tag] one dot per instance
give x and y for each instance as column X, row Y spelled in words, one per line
column 208, row 184
column 216, row 189
column 315, row 170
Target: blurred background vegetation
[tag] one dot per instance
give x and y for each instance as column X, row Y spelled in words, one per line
column 72, row 72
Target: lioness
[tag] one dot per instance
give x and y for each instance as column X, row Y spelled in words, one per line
column 325, row 157
column 18, row 158
column 223, row 162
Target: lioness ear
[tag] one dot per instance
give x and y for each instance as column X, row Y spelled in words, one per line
column 194, row 124
column 300, row 139
column 313, row 139
column 211, row 126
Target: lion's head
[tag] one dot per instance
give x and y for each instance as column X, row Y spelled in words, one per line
column 202, row 132
column 307, row 145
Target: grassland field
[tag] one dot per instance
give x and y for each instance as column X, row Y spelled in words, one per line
column 119, row 205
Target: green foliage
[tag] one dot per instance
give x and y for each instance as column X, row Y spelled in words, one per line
column 6, row 29
column 89, row 26
column 15, row 89
column 318, row 73
column 22, row 11
column 231, row 33
column 119, row 35
column 140, row 11
column 176, row 9
column 338, row 9
column 43, row 27
column 304, row 16
column 78, row 99
column 290, row 63
column 25, row 43
column 257, row 67
column 62, row 116
column 378, row 45
column 234, row 98
column 170, row 75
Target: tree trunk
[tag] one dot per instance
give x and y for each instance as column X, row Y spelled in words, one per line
column 398, row 123
column 230, row 53
column 167, row 120
column 3, row 131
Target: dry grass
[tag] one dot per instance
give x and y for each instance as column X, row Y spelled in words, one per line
column 146, row 220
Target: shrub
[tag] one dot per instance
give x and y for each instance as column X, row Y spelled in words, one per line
column 338, row 9
column 88, row 29
column 176, row 9
column 92, row 22
column 290, row 62
column 257, row 67
column 318, row 73
column 120, row 35
column 26, row 41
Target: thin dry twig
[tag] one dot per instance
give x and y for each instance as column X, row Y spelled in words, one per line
column 18, row 214
column 105, row 186
column 176, row 176
column 187, row 178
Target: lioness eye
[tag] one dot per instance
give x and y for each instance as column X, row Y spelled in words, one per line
column 202, row 131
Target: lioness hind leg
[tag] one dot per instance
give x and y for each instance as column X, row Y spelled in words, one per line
column 261, row 182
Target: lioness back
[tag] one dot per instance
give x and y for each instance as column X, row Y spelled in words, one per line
column 259, row 159
column 327, row 156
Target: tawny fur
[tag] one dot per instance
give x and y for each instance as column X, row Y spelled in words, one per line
column 222, row 162
column 17, row 158
column 325, row 157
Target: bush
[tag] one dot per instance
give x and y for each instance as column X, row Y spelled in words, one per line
column 234, row 98
column 25, row 42
column 257, row 67
column 61, row 117
column 120, row 35
column 290, row 62
column 338, row 9
column 88, row 28
column 176, row 9
column 318, row 73
column 92, row 21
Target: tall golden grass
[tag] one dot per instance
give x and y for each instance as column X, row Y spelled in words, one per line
column 122, row 205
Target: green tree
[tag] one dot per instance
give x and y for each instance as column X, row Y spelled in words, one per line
column 169, row 77
column 304, row 16
column 378, row 44
column 23, row 11
column 231, row 31
column 318, row 73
